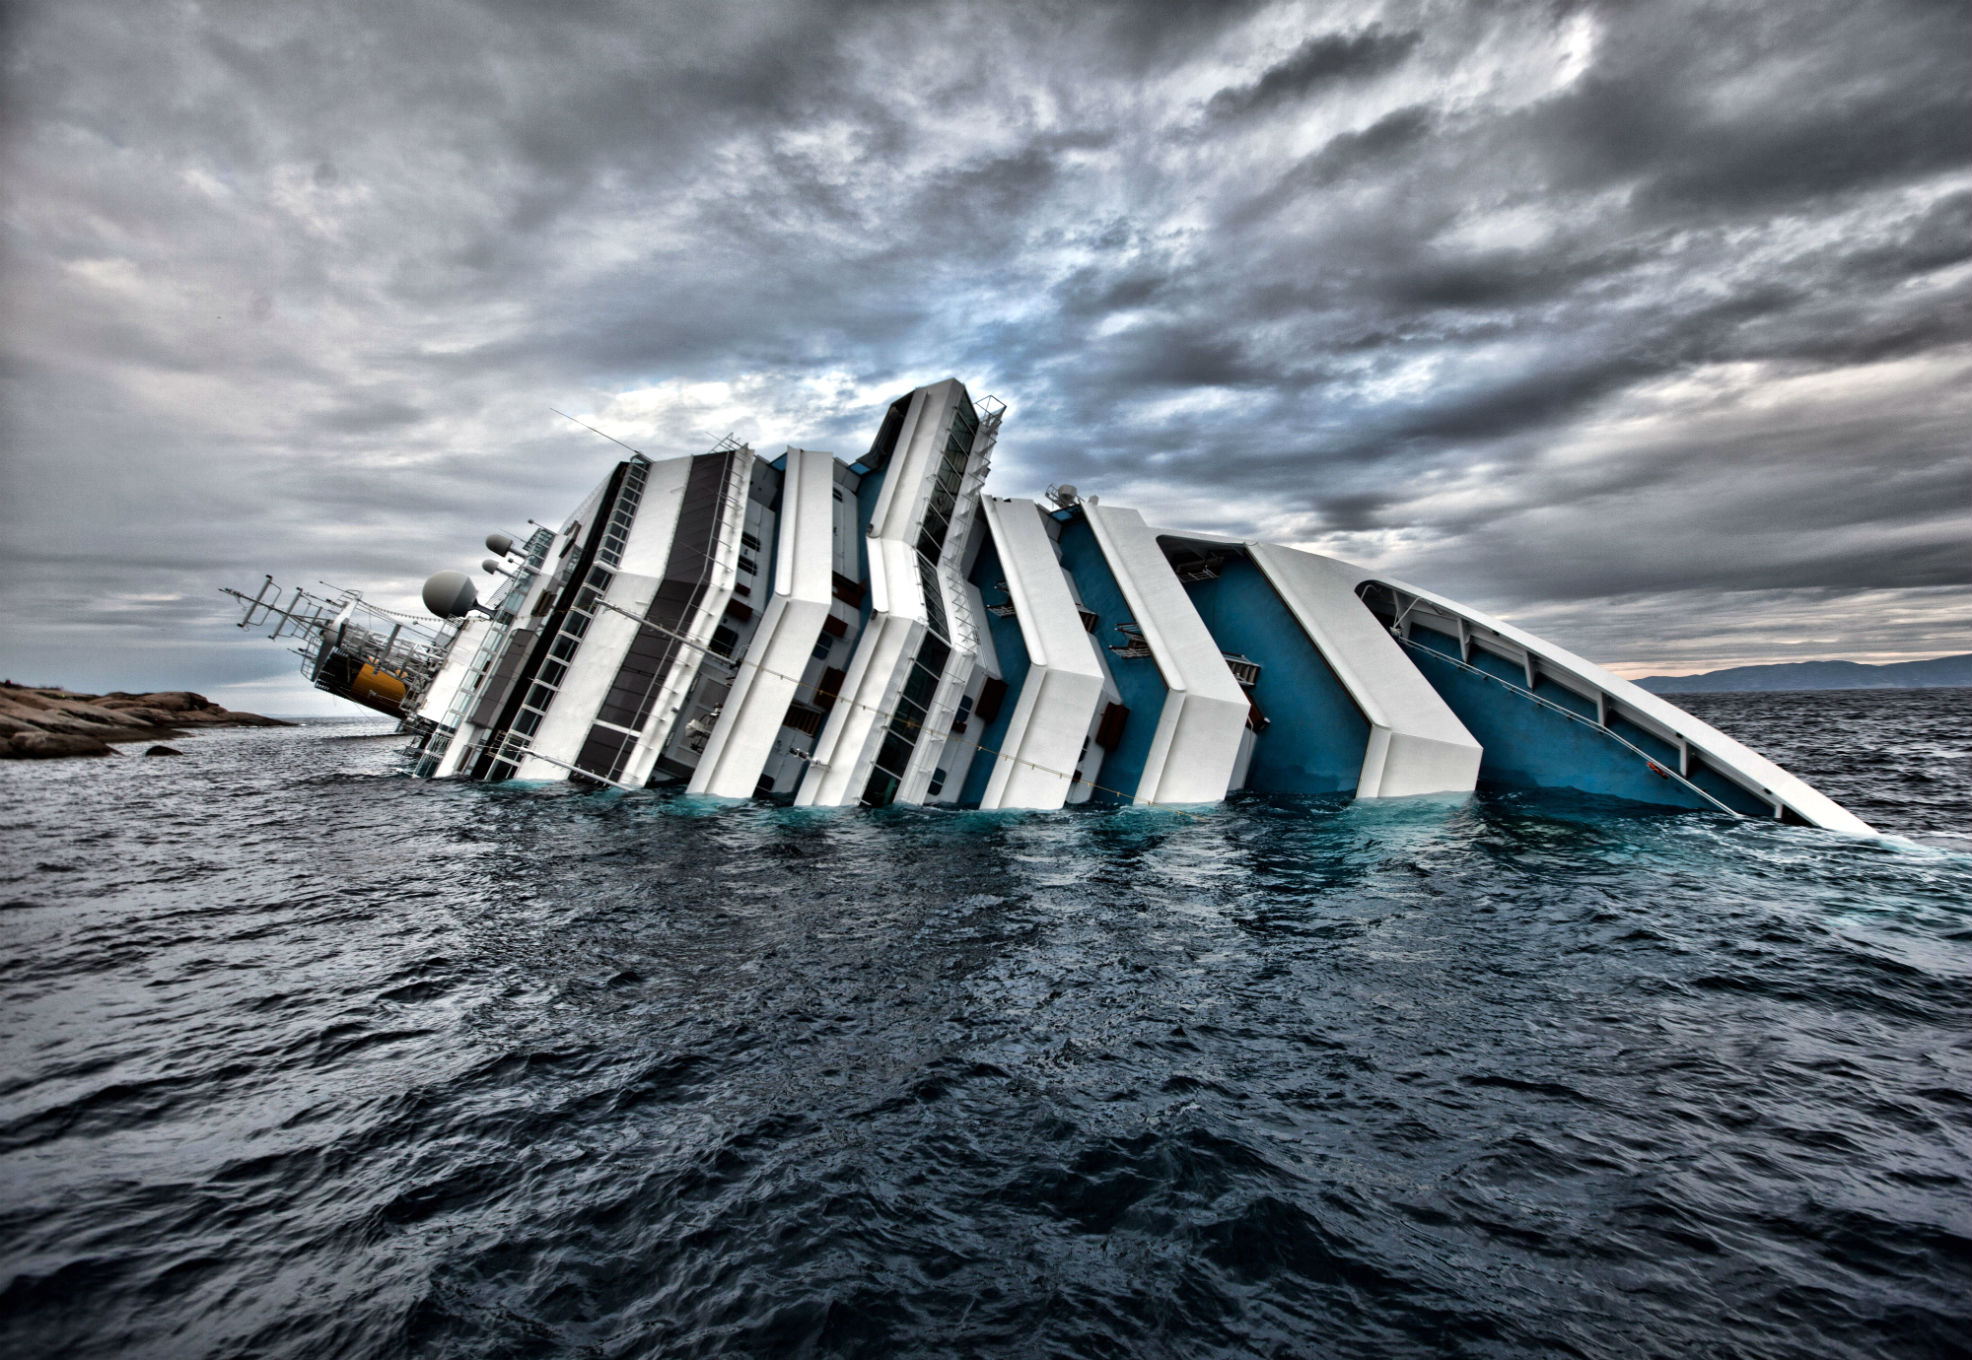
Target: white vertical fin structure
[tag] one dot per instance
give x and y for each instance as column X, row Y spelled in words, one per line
column 889, row 640
column 1057, row 702
column 590, row 655
column 885, row 648
column 718, row 574
column 768, row 679
column 1416, row 744
column 900, row 660
column 1203, row 721
column 961, row 623
column 452, row 673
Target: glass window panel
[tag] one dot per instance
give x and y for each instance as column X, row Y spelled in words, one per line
column 965, row 424
column 894, row 754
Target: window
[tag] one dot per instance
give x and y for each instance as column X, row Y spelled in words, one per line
column 881, row 789
column 895, row 754
column 934, row 599
column 829, row 687
column 991, row 695
column 886, row 436
column 950, row 477
column 804, row 719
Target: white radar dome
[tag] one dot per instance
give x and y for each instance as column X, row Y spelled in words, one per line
column 499, row 544
column 450, row 594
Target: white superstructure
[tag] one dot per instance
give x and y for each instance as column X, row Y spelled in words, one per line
column 877, row 630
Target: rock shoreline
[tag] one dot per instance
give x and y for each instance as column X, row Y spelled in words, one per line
column 46, row 723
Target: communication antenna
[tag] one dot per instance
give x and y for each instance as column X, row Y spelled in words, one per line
column 593, row 430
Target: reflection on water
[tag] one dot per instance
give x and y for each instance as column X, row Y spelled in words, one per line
column 303, row 1057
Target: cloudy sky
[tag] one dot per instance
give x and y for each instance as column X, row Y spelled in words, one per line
column 1644, row 324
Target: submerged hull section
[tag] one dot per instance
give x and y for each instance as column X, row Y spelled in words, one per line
column 877, row 630
column 769, row 685
column 1550, row 719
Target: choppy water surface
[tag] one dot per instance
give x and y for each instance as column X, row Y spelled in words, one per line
column 302, row 1057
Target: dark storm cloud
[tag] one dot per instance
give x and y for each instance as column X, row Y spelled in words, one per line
column 361, row 417
column 1553, row 305
column 1343, row 155
column 1319, row 62
column 1843, row 99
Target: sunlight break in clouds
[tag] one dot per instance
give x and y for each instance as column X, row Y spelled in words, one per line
column 1647, row 323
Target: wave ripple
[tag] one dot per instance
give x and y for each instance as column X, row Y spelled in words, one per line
column 303, row 1057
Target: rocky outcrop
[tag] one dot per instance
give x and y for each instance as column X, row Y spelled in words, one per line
column 53, row 746
column 47, row 724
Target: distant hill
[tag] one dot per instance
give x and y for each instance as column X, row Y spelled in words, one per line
column 1944, row 670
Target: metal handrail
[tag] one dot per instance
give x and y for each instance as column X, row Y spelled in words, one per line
column 1572, row 716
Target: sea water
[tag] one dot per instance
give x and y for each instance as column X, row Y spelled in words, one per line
column 303, row 1057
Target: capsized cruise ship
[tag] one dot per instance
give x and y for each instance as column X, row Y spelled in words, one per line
column 877, row 630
